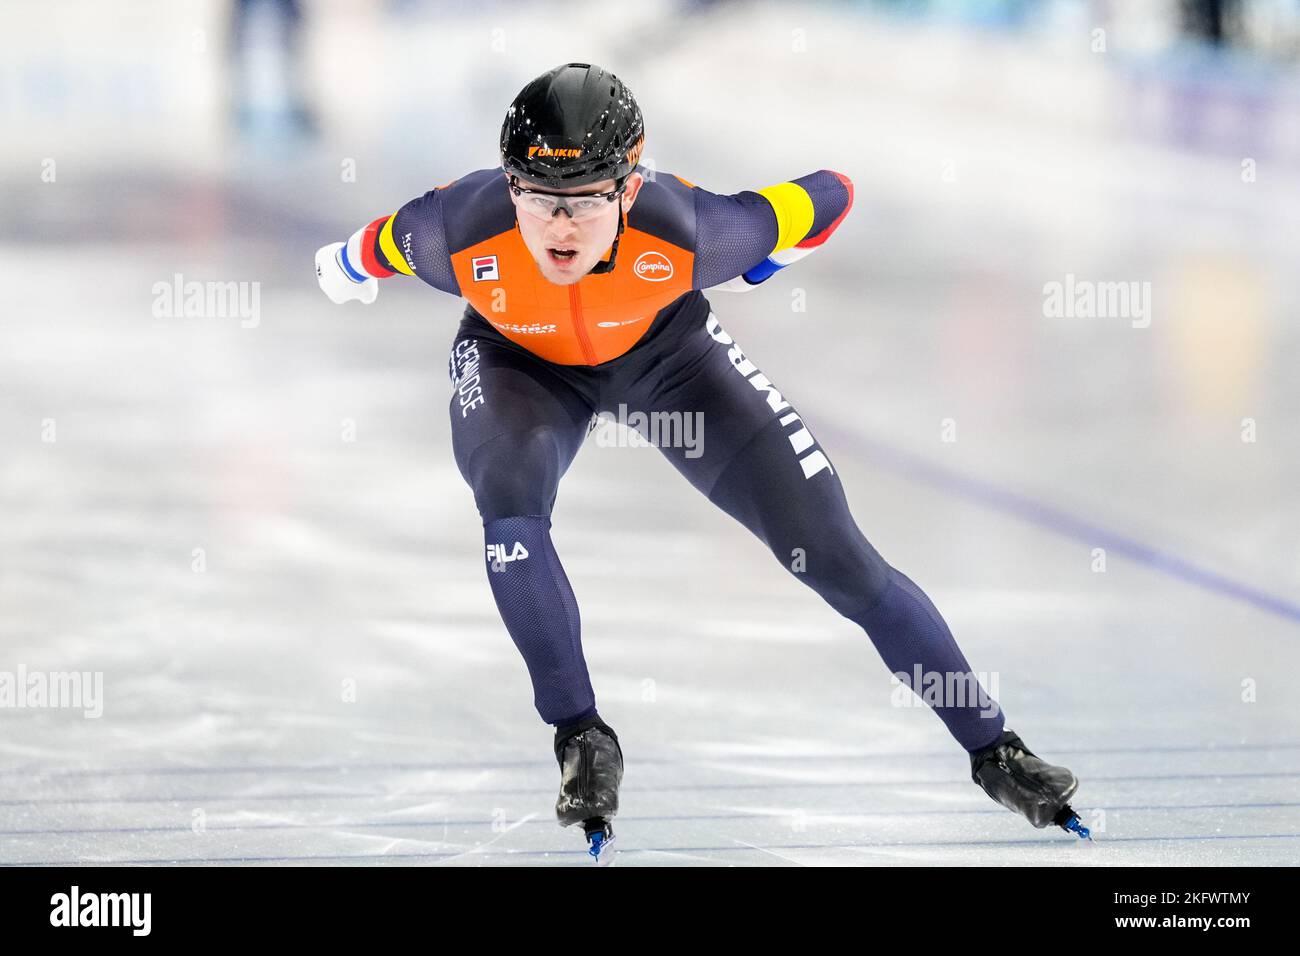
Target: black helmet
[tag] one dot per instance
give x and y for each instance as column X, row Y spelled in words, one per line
column 573, row 125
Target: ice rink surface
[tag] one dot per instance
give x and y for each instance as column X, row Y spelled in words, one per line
column 258, row 534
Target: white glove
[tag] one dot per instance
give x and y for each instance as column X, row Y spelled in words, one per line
column 336, row 283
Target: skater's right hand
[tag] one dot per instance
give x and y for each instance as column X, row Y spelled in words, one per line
column 336, row 283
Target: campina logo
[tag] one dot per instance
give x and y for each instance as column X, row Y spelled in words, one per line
column 548, row 151
column 653, row 266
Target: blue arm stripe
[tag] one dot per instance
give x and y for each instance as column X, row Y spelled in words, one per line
column 764, row 270
column 353, row 274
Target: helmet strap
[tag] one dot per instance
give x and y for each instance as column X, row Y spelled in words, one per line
column 607, row 265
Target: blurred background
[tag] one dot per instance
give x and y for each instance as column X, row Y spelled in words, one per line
column 247, row 519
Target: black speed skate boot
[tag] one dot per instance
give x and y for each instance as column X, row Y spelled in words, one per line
column 1015, row 777
column 591, row 768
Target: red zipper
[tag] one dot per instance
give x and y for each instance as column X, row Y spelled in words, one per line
column 575, row 310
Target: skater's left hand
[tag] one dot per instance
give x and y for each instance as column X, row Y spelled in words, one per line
column 336, row 283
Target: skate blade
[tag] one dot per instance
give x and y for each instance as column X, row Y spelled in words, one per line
column 607, row 855
column 1070, row 821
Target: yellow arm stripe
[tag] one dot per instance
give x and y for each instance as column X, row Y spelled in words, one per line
column 390, row 250
column 794, row 213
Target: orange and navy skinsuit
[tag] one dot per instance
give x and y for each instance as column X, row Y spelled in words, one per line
column 525, row 396
column 463, row 238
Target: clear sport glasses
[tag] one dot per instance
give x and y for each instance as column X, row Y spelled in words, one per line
column 546, row 205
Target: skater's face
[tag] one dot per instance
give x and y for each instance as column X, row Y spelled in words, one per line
column 565, row 246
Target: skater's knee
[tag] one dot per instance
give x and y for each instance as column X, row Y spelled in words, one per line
column 516, row 473
column 844, row 568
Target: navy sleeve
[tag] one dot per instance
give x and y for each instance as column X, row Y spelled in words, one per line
column 732, row 235
column 419, row 236
column 752, row 235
